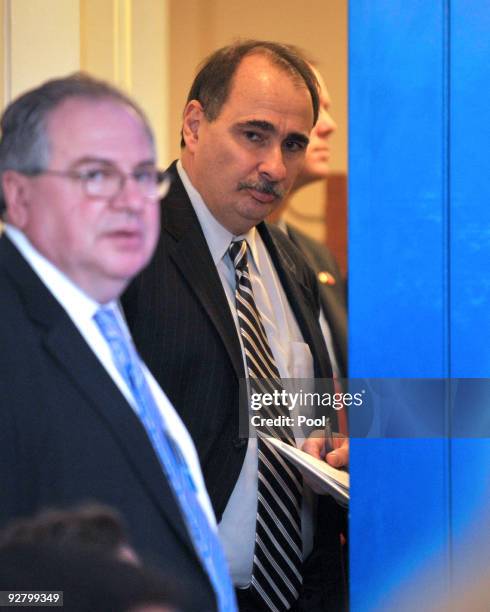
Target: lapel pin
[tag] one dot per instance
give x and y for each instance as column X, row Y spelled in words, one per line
column 325, row 278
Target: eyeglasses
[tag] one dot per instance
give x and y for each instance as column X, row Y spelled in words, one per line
column 108, row 181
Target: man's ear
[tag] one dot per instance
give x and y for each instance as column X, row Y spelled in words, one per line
column 193, row 118
column 15, row 188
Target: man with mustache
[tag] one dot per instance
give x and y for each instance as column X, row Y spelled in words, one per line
column 228, row 298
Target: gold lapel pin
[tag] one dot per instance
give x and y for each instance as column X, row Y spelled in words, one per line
column 325, row 278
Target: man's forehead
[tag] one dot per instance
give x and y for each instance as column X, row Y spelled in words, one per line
column 93, row 115
column 263, row 61
column 85, row 126
column 261, row 91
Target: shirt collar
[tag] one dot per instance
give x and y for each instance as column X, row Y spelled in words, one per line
column 76, row 303
column 217, row 236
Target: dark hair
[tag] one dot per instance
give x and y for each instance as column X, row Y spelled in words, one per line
column 91, row 526
column 212, row 84
column 25, row 145
column 90, row 582
column 312, row 61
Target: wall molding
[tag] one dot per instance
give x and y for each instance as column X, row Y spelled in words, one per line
column 122, row 43
column 6, row 53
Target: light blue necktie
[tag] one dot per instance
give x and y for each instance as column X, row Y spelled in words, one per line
column 204, row 538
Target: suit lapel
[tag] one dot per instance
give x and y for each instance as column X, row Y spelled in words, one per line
column 332, row 305
column 298, row 295
column 83, row 370
column 191, row 255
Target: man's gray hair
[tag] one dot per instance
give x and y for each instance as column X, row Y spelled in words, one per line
column 25, row 145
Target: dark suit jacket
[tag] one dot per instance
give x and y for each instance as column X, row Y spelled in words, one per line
column 182, row 325
column 332, row 297
column 67, row 434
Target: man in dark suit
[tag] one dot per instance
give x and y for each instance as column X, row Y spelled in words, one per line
column 81, row 418
column 245, row 130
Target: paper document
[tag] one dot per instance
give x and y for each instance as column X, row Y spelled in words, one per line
column 326, row 478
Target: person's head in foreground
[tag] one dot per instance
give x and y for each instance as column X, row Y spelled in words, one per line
column 78, row 178
column 89, row 581
column 92, row 527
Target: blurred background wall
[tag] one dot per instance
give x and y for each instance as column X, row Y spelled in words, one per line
column 123, row 41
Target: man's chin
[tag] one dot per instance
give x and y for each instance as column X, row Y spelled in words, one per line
column 259, row 211
column 128, row 267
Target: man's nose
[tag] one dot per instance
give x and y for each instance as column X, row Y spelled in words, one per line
column 325, row 125
column 130, row 196
column 272, row 166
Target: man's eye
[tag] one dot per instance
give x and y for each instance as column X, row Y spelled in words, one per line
column 253, row 136
column 96, row 174
column 145, row 175
column 293, row 146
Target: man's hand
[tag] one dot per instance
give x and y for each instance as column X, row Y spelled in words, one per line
column 338, row 457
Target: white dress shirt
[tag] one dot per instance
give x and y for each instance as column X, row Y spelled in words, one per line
column 293, row 359
column 81, row 309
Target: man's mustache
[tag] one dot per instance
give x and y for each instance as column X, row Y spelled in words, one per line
column 266, row 187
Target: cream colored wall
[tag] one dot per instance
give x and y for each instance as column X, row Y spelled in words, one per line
column 126, row 42
column 44, row 40
column 319, row 26
column 123, row 41
column 150, row 68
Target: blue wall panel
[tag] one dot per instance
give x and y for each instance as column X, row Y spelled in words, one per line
column 397, row 189
column 470, row 188
column 419, row 297
column 470, row 285
column 399, row 526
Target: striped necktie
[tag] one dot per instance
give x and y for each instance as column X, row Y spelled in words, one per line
column 277, row 566
column 203, row 537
